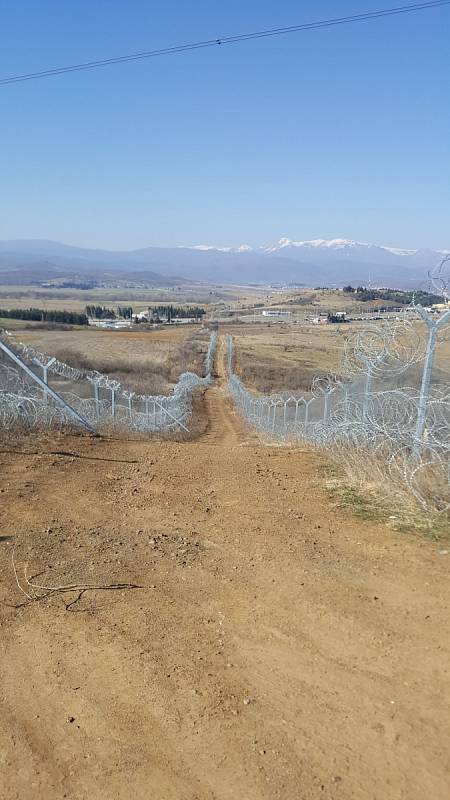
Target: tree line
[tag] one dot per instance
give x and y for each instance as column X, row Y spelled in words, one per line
column 178, row 312
column 45, row 315
column 102, row 312
column 396, row 295
column 163, row 313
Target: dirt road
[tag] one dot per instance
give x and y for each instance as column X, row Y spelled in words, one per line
column 278, row 647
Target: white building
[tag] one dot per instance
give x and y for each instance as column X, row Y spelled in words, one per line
column 269, row 313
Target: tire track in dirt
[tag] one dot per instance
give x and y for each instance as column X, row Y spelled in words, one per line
column 224, row 427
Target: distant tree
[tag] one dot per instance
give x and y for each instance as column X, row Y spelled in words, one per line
column 335, row 317
column 396, row 296
column 171, row 312
column 46, row 315
column 100, row 312
column 126, row 312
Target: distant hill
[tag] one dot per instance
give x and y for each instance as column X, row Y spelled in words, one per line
column 311, row 263
column 31, row 262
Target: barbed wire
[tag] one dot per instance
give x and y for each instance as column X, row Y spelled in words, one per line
column 440, row 278
column 409, row 424
column 97, row 398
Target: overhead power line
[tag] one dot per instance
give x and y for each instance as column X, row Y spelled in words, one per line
column 242, row 37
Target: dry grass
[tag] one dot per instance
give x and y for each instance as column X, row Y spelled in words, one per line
column 276, row 358
column 145, row 362
column 72, row 299
column 379, row 487
column 196, row 426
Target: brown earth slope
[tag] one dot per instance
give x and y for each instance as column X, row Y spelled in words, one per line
column 278, row 647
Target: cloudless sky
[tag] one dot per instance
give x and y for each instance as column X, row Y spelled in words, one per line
column 341, row 132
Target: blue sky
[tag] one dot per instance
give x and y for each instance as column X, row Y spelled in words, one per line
column 333, row 133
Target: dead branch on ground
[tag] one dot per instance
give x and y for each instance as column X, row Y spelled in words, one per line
column 50, row 591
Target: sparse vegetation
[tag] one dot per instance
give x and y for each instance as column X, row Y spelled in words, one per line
column 273, row 359
column 145, row 362
column 357, row 503
column 362, row 483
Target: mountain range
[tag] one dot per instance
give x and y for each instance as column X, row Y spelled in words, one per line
column 323, row 262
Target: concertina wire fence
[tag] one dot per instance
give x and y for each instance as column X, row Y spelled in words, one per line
column 386, row 402
column 41, row 392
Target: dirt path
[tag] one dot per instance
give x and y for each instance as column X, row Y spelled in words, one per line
column 278, row 647
column 224, row 427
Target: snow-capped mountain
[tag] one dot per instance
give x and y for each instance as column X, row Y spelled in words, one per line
column 293, row 248
column 324, row 262
column 343, row 245
column 243, row 248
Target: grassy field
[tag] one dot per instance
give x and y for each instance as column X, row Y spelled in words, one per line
column 225, row 303
column 16, row 324
column 274, row 358
column 237, row 299
column 269, row 357
column 140, row 298
column 145, row 361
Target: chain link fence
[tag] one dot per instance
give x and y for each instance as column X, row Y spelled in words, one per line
column 37, row 391
column 386, row 400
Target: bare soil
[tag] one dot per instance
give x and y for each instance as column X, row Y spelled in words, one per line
column 278, row 647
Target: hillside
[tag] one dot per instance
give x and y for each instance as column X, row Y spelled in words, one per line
column 309, row 263
column 33, row 262
column 259, row 638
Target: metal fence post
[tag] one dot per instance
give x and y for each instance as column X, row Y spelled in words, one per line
column 96, row 398
column 274, row 416
column 44, row 368
column 367, row 390
column 51, row 392
column 326, row 405
column 433, row 328
column 45, row 379
column 346, row 402
column 307, row 402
